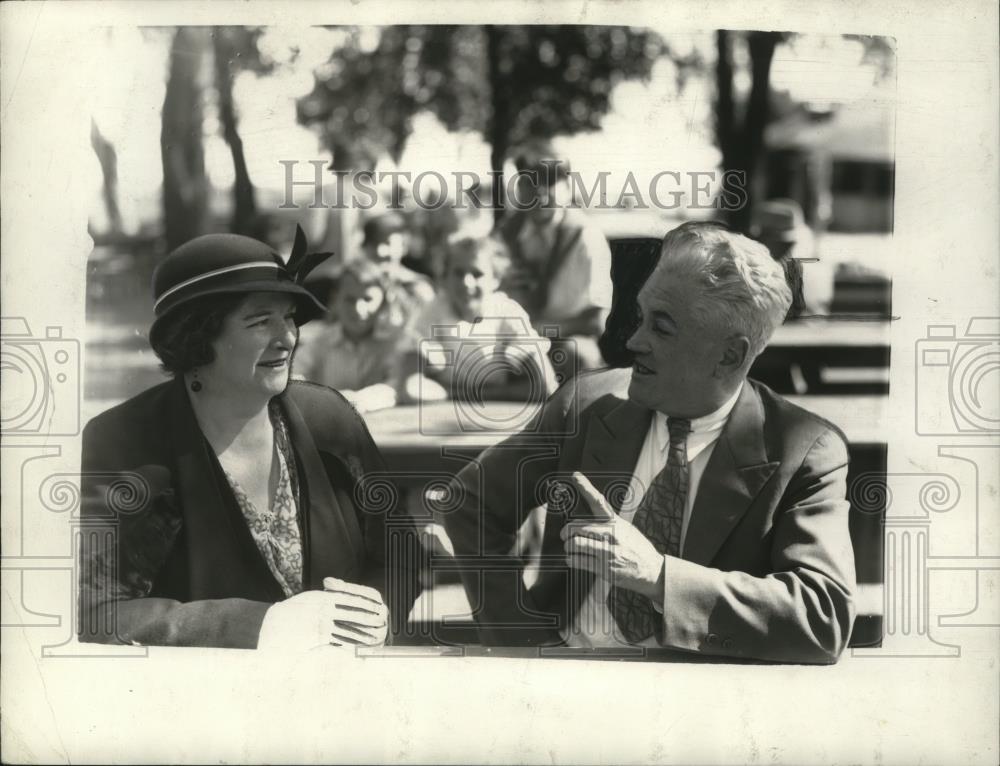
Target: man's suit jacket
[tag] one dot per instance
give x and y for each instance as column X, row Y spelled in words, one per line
column 167, row 557
column 767, row 568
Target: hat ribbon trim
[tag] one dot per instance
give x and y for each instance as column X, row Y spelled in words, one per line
column 213, row 273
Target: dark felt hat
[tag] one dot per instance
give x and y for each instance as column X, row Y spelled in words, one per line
column 230, row 263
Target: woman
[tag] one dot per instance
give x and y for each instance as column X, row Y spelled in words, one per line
column 227, row 507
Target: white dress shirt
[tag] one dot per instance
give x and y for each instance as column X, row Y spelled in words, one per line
column 594, row 626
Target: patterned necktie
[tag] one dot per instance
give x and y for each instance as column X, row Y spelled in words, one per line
column 660, row 518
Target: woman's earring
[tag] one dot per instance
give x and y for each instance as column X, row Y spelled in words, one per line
column 195, row 384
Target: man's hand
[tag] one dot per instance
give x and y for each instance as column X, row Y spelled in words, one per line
column 345, row 614
column 611, row 547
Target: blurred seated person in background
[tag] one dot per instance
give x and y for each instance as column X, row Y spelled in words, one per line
column 781, row 226
column 353, row 352
column 431, row 224
column 386, row 242
column 560, row 261
column 228, row 493
column 472, row 341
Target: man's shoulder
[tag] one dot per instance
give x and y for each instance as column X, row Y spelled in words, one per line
column 792, row 424
column 576, row 219
column 605, row 386
column 594, row 384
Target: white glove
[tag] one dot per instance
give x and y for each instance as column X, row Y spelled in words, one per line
column 344, row 614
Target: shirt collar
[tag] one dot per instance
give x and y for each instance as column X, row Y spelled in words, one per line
column 704, row 426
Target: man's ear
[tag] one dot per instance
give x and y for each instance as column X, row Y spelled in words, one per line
column 735, row 354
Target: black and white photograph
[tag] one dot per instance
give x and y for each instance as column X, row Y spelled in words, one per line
column 542, row 377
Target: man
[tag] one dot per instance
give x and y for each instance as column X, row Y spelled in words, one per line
column 560, row 261
column 385, row 244
column 687, row 507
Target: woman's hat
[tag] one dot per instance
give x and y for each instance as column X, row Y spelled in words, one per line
column 231, row 263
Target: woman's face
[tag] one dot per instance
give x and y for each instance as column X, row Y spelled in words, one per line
column 254, row 350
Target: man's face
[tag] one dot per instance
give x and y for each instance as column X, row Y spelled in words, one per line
column 468, row 280
column 357, row 306
column 676, row 355
column 538, row 199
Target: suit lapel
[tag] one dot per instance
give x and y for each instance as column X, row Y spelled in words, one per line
column 614, row 441
column 735, row 474
column 327, row 540
column 611, row 449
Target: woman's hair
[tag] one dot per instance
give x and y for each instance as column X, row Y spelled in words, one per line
column 185, row 339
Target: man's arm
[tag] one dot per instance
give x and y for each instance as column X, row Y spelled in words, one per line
column 498, row 490
column 803, row 610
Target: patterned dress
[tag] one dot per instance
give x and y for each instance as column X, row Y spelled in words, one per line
column 276, row 529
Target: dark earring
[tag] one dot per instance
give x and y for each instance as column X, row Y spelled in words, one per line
column 195, row 384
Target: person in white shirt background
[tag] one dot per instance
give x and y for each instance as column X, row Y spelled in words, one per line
column 471, row 340
column 561, row 260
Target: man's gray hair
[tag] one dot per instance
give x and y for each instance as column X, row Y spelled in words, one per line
column 744, row 290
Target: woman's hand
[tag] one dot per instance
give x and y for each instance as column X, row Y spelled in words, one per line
column 362, row 618
column 344, row 614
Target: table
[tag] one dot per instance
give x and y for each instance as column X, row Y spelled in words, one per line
column 827, row 356
column 823, row 332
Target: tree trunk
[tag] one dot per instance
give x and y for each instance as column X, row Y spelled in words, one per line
column 244, row 202
column 725, row 129
column 741, row 146
column 758, row 112
column 185, row 186
column 499, row 123
column 108, row 158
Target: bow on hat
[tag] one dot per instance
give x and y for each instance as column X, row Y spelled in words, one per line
column 300, row 263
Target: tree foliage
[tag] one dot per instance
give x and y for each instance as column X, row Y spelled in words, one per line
column 509, row 83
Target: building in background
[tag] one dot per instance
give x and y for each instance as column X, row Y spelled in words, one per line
column 837, row 164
